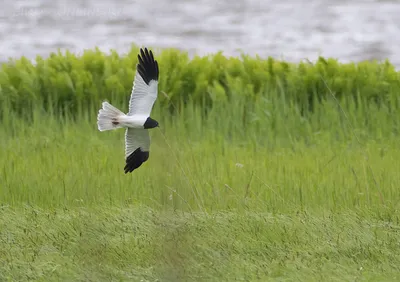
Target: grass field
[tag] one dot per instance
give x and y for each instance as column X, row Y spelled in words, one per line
column 260, row 194
column 138, row 244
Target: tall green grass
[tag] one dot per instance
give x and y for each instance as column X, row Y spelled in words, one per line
column 275, row 159
column 238, row 133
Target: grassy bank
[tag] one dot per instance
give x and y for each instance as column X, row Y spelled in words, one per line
column 255, row 174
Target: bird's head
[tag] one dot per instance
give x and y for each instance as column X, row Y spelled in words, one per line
column 150, row 123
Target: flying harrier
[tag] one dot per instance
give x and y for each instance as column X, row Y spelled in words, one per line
column 137, row 121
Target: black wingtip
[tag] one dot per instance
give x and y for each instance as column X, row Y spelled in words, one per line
column 135, row 160
column 147, row 66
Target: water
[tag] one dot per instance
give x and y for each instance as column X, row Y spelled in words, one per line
column 286, row 29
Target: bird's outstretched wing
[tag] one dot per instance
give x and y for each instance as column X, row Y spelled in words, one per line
column 145, row 85
column 137, row 147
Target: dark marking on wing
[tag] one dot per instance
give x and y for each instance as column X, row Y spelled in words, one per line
column 135, row 160
column 147, row 66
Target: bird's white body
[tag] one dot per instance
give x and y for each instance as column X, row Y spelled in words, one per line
column 110, row 118
column 137, row 121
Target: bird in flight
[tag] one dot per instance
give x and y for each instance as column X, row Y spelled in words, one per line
column 137, row 121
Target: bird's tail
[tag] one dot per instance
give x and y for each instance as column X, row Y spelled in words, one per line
column 109, row 117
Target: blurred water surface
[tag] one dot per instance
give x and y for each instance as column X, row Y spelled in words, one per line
column 287, row 29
